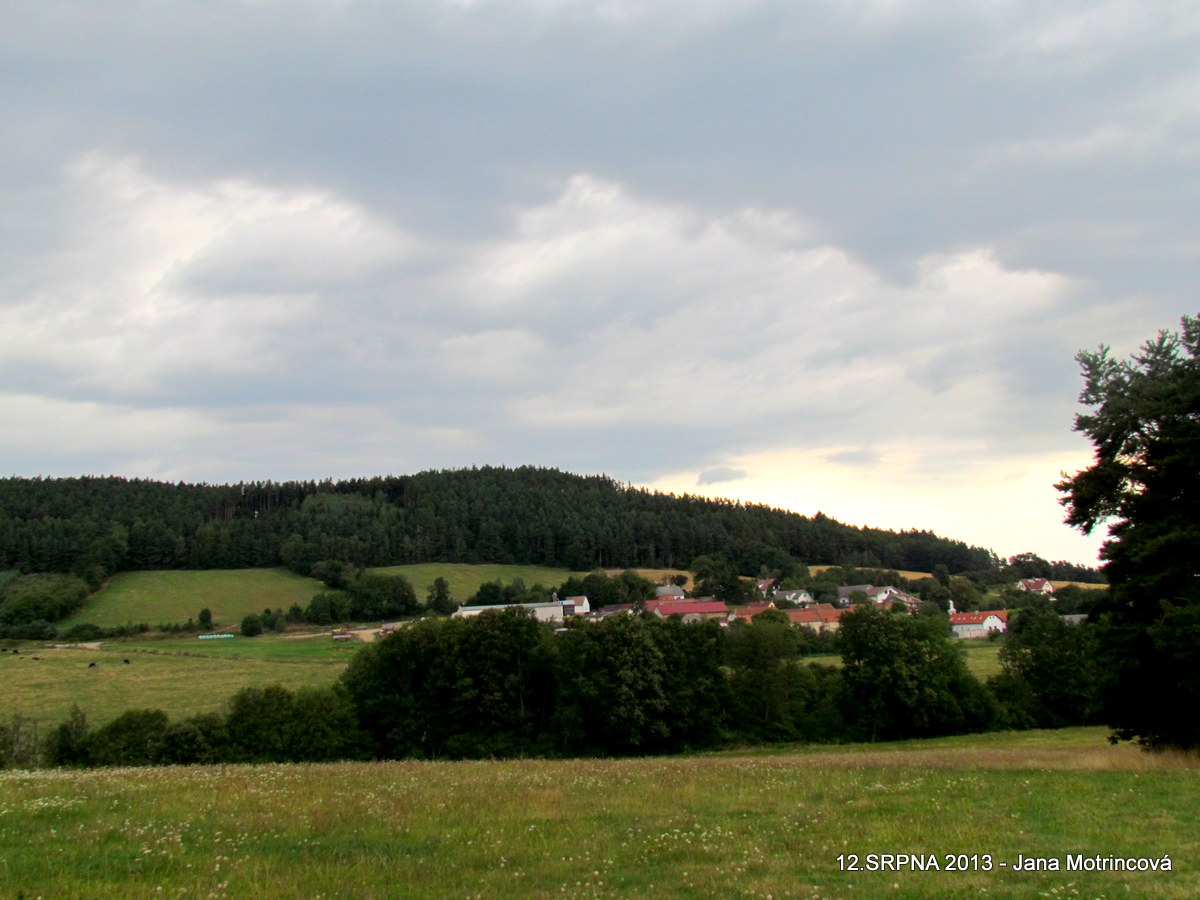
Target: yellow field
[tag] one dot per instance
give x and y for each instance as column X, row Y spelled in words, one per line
column 903, row 573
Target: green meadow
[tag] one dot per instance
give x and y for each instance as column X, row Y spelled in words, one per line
column 173, row 597
column 182, row 677
column 170, row 597
column 778, row 825
column 464, row 579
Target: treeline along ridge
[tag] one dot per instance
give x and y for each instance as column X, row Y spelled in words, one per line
column 93, row 527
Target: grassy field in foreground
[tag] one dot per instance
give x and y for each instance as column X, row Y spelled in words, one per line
column 180, row 677
column 773, row 826
column 175, row 596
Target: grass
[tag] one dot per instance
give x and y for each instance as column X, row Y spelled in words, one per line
column 168, row 597
column 983, row 658
column 297, row 647
column 730, row 825
column 464, row 579
column 180, row 677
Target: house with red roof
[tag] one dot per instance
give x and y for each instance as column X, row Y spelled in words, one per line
column 750, row 610
column 819, row 616
column 1036, row 586
column 799, row 597
column 879, row 596
column 691, row 610
column 978, row 624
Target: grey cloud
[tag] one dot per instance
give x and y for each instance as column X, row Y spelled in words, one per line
column 720, row 475
column 860, row 458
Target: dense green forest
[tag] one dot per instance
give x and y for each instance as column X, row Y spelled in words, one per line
column 94, row 526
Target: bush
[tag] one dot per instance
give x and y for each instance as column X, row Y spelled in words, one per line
column 84, row 632
column 18, row 744
column 41, row 598
column 38, row 630
column 272, row 724
column 134, row 738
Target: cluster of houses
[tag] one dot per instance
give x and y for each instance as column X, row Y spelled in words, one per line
column 670, row 600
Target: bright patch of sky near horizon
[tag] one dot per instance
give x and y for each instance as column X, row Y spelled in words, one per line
column 831, row 257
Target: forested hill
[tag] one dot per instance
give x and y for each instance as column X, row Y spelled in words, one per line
column 93, row 526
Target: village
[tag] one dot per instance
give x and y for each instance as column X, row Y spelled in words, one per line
column 798, row 605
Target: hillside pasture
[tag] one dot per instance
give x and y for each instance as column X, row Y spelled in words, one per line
column 464, row 579
column 778, row 825
column 173, row 597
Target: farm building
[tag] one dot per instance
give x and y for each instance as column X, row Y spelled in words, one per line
column 548, row 611
column 819, row 617
column 749, row 611
column 879, row 596
column 1036, row 586
column 978, row 624
column 691, row 610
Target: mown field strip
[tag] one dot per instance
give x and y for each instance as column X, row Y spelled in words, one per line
column 701, row 827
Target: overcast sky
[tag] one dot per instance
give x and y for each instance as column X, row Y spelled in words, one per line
column 831, row 256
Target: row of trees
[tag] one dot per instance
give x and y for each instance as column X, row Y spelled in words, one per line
column 502, row 684
column 258, row 725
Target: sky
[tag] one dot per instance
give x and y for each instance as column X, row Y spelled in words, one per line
column 830, row 256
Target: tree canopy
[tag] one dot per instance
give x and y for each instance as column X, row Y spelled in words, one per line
column 92, row 527
column 1145, row 482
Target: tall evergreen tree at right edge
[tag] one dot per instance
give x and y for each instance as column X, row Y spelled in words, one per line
column 1145, row 482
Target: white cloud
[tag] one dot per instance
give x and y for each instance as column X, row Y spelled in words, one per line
column 155, row 280
column 670, row 315
column 1074, row 37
